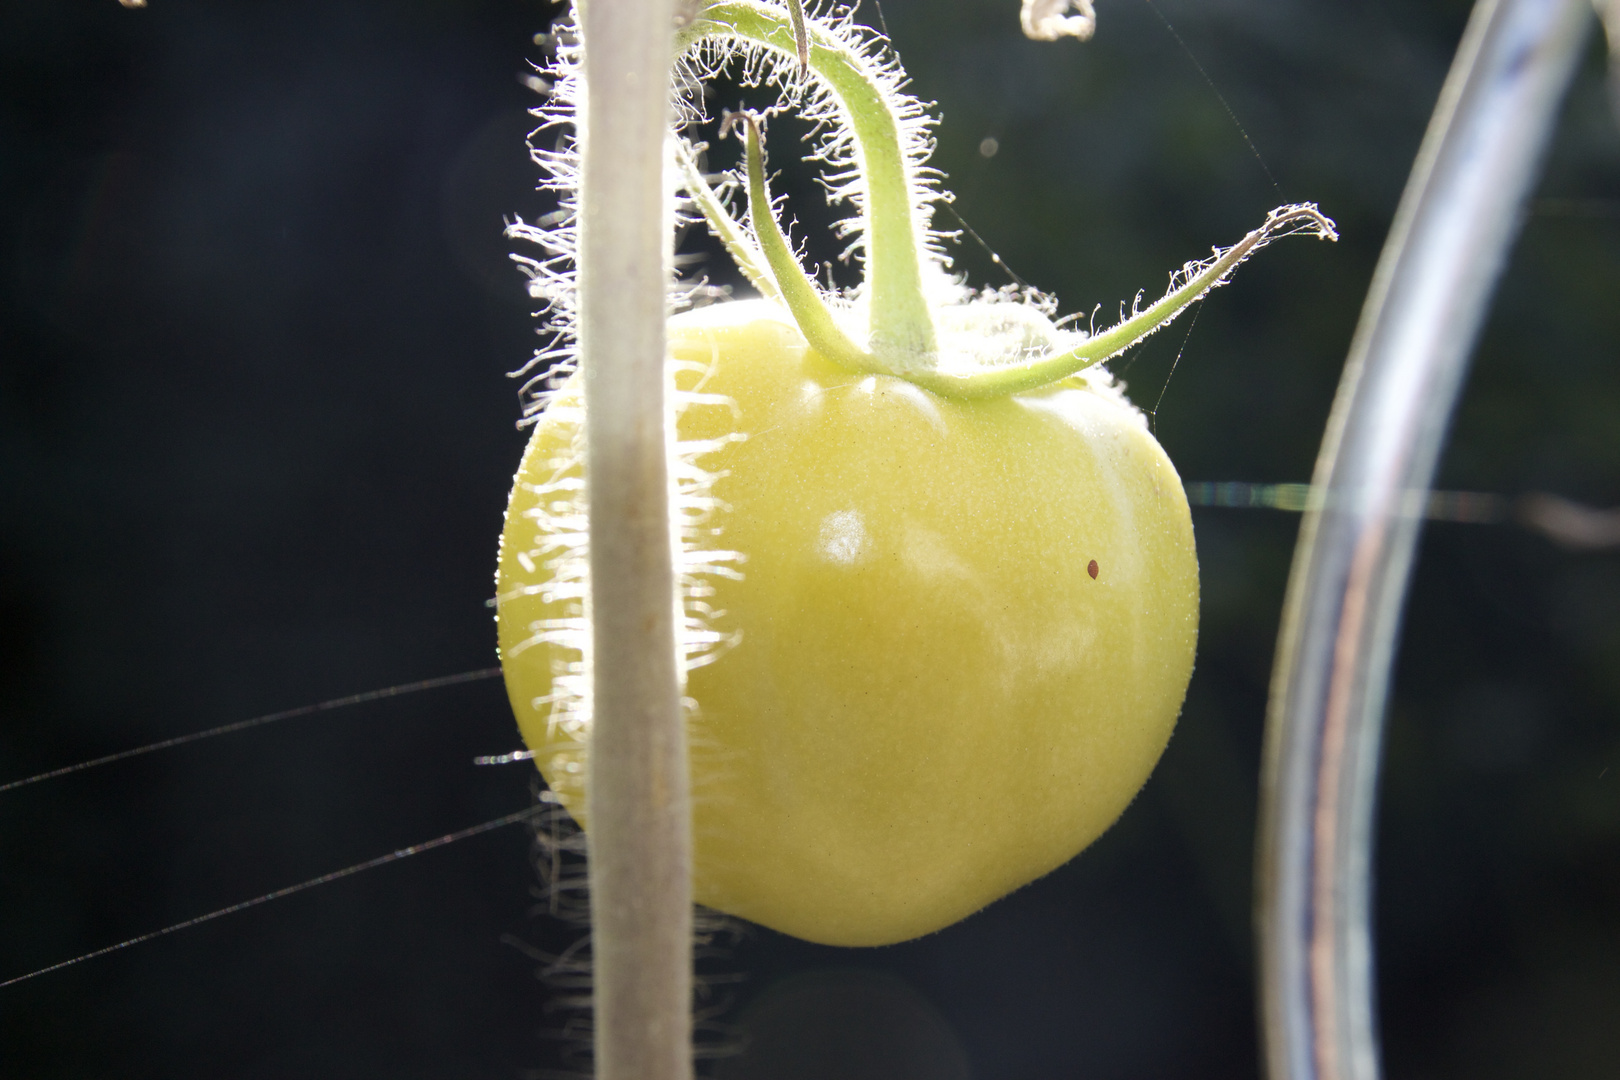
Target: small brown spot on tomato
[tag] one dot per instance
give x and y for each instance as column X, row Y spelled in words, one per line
column 1091, row 568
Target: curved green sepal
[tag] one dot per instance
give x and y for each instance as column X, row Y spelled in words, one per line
column 797, row 291
column 902, row 327
column 730, row 231
column 1195, row 280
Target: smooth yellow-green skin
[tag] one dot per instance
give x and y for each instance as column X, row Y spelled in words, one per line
column 933, row 701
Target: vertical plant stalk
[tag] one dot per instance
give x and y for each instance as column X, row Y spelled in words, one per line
column 1429, row 296
column 639, row 804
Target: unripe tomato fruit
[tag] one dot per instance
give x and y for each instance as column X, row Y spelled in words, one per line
column 965, row 631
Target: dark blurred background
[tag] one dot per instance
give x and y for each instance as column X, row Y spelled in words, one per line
column 255, row 438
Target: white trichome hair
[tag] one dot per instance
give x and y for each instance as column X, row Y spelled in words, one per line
column 715, row 49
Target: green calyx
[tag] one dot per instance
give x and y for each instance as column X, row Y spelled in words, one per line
column 793, row 285
column 970, row 350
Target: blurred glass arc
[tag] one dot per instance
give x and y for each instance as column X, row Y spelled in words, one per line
column 1461, row 210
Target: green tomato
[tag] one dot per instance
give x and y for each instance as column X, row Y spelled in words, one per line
column 962, row 630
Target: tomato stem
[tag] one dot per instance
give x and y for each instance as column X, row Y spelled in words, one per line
column 796, row 289
column 901, row 329
column 887, row 176
column 1196, row 279
column 728, row 229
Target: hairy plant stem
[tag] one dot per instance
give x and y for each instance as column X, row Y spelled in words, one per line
column 739, row 245
column 787, row 282
column 638, row 803
column 902, row 340
column 901, row 326
column 1032, row 374
column 793, row 286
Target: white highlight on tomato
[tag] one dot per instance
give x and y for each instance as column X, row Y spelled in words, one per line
column 843, row 537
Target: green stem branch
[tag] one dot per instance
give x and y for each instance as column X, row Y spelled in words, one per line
column 796, row 289
column 902, row 328
column 1200, row 279
column 738, row 244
